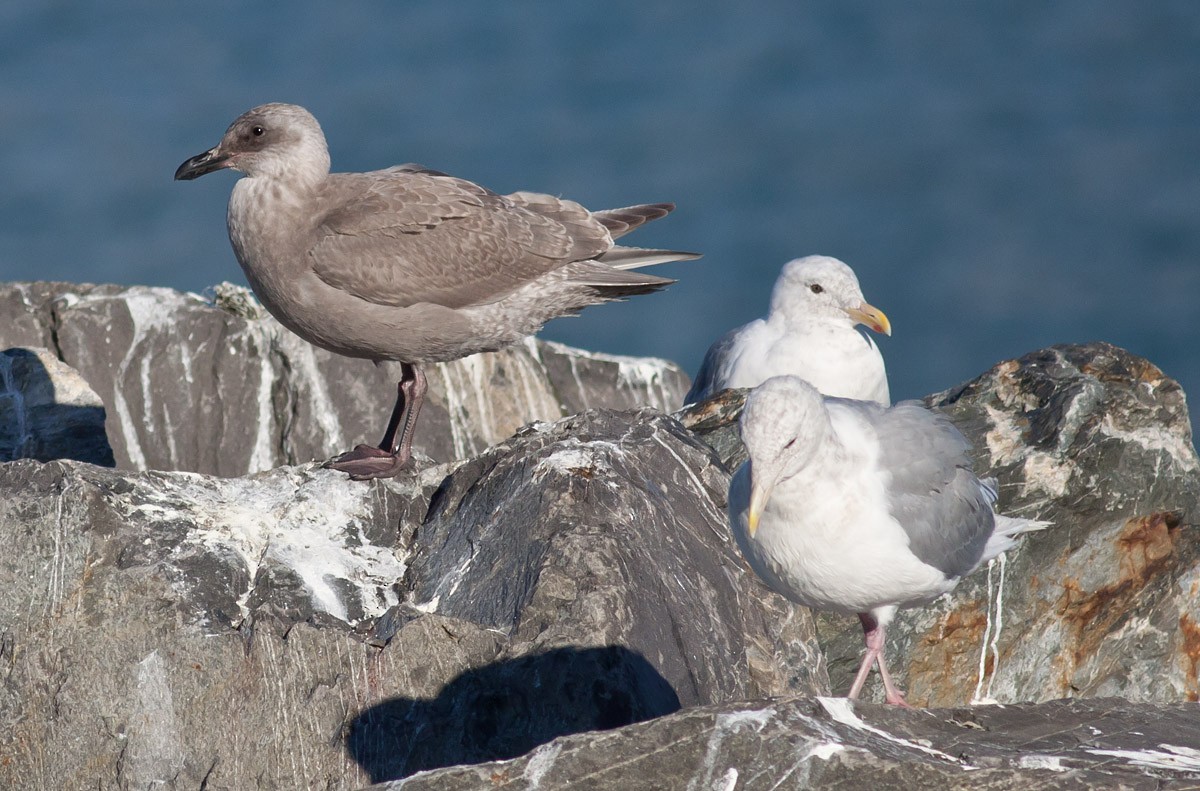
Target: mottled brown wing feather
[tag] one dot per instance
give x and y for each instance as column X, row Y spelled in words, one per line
column 408, row 235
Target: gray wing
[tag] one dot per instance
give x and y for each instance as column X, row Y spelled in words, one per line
column 709, row 379
column 408, row 235
column 933, row 493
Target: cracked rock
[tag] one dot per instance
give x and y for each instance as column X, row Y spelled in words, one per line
column 219, row 387
column 827, row 743
column 564, row 608
column 293, row 628
column 1104, row 602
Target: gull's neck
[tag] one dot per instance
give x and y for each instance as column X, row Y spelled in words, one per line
column 271, row 210
column 296, row 173
column 280, row 181
column 784, row 319
column 830, row 454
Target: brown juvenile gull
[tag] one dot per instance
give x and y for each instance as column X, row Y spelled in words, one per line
column 810, row 332
column 856, row 508
column 407, row 263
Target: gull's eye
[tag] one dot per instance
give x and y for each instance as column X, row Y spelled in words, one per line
column 816, row 288
column 790, row 443
column 258, row 131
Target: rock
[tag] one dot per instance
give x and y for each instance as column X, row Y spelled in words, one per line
column 160, row 628
column 597, row 545
column 219, row 387
column 827, row 743
column 715, row 420
column 613, row 524
column 576, row 577
column 567, row 602
column 1106, row 601
column 28, row 311
column 47, row 410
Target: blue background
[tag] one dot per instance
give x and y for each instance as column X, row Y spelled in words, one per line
column 1002, row 176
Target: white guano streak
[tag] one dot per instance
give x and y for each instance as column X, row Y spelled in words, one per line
column 149, row 309
column 841, row 711
column 991, row 638
column 1170, row 757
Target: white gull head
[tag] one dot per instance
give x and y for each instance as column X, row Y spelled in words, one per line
column 818, row 287
column 783, row 425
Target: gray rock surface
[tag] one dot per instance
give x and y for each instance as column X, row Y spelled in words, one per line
column 567, row 602
column 1106, row 601
column 597, row 547
column 219, row 387
column 292, row 629
column 48, row 411
column 157, row 629
column 826, row 743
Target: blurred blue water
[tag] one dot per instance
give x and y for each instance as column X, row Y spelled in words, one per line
column 1002, row 176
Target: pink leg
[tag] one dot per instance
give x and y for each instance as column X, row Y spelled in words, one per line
column 864, row 670
column 874, row 638
column 392, row 455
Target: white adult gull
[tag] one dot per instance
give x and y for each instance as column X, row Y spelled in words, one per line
column 407, row 263
column 809, row 332
column 855, row 508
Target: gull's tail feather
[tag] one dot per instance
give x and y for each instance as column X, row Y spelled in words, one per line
column 620, row 257
column 1008, row 530
column 621, row 221
column 609, row 283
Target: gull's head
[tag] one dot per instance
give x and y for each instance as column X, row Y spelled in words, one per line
column 272, row 140
column 822, row 287
column 782, row 425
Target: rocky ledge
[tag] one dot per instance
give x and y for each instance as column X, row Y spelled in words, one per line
column 562, row 609
column 828, row 743
column 214, row 385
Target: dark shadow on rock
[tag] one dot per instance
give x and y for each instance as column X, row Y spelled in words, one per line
column 508, row 708
column 48, row 411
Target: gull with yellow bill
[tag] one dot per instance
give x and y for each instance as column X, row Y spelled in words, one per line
column 809, row 332
column 850, row 507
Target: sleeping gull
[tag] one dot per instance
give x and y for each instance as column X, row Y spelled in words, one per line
column 860, row 509
column 809, row 332
column 407, row 263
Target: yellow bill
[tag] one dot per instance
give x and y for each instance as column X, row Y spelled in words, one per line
column 870, row 316
column 759, row 495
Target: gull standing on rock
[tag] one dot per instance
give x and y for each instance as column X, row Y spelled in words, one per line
column 855, row 508
column 407, row 263
column 809, row 332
